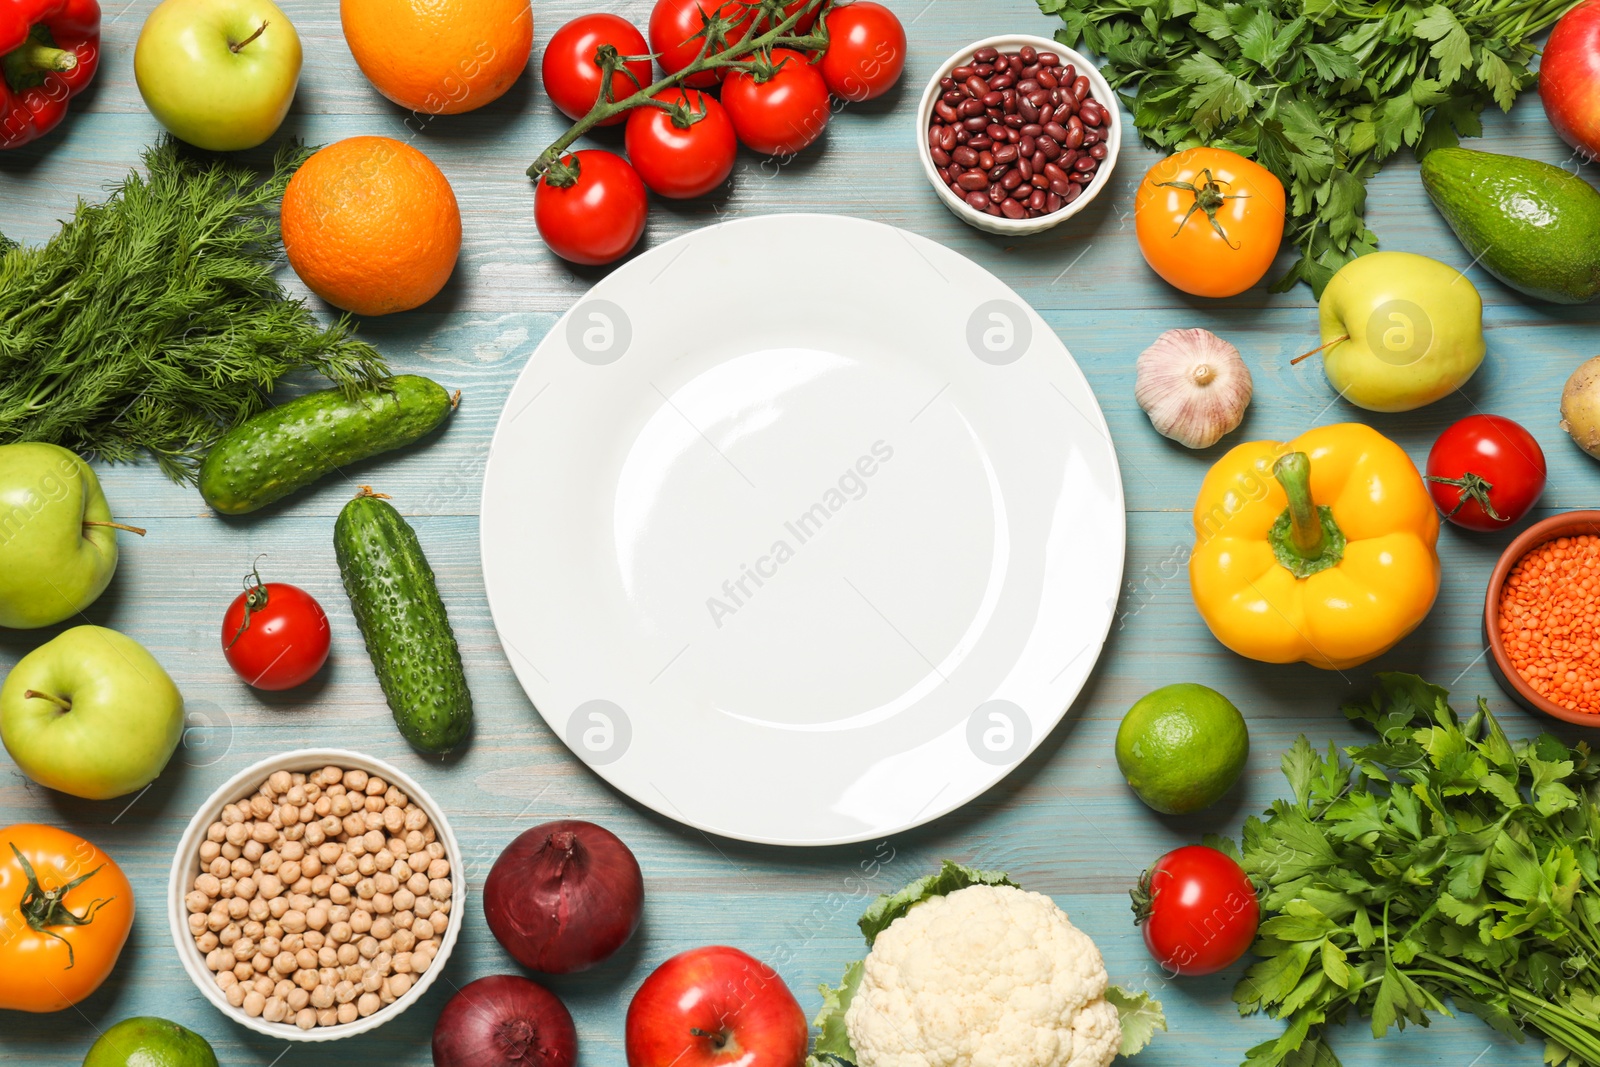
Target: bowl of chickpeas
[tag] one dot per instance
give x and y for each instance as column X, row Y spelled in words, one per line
column 316, row 895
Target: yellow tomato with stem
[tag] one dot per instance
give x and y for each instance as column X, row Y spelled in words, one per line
column 1209, row 221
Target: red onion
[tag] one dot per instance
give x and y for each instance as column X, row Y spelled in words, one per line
column 563, row 896
column 505, row 1020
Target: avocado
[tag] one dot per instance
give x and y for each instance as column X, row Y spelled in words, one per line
column 1533, row 225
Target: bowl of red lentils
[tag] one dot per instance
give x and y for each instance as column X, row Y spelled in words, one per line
column 316, row 895
column 1541, row 618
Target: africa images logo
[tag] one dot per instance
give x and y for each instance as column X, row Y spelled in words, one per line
column 737, row 591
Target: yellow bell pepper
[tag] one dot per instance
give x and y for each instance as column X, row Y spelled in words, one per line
column 1321, row 550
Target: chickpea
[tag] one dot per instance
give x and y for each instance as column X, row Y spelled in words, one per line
column 374, row 806
column 327, row 956
column 327, row 1017
column 209, row 850
column 314, row 835
column 307, row 980
column 424, row 907
column 289, row 873
column 216, row 833
column 339, row 894
column 282, row 988
column 245, row 888
column 306, row 1018
column 373, row 820
column 275, row 1010
column 404, row 898
column 277, row 906
column 261, row 806
column 197, row 925
column 339, row 914
column 238, row 908
column 238, row 833
column 366, row 889
column 382, row 928
column 383, row 859
column 253, row 851
column 230, row 851
column 339, row 806
column 289, row 814
column 196, row 901
column 284, row 963
column 246, row 972
column 254, row 1004
column 311, row 866
column 347, row 1013
column 414, row 838
column 439, row 889
column 349, row 954
column 418, row 862
column 241, row 868
column 421, row 929
column 367, row 865
column 297, row 998
column 382, row 903
column 339, row 932
column 243, row 947
column 280, row 781
column 356, row 780
column 360, row 922
column 322, row 806
column 293, row 943
column 226, row 980
column 294, row 921
column 368, row 947
column 235, row 995
column 219, row 867
column 264, row 832
column 368, row 1004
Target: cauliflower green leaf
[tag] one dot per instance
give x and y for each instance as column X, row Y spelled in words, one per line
column 833, row 1042
column 951, row 877
column 1141, row 1016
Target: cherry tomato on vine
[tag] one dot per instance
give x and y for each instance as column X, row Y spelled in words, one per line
column 275, row 636
column 780, row 105
column 674, row 25
column 685, row 152
column 1209, row 221
column 802, row 25
column 1198, row 910
column 590, row 207
column 65, row 912
column 866, row 51
column 1485, row 472
column 573, row 78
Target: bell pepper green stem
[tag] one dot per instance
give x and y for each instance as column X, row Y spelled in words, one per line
column 1293, row 472
column 34, row 55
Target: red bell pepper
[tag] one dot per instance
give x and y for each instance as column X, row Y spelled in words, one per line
column 49, row 50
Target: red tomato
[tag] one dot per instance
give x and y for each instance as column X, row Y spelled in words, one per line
column 275, row 636
column 1485, row 472
column 590, row 207
column 1198, row 909
column 780, row 107
column 571, row 75
column 866, row 51
column 673, row 26
column 686, row 152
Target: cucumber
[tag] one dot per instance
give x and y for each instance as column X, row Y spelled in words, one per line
column 402, row 619
column 270, row 455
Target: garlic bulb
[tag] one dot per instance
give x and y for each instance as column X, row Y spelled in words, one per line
column 1193, row 385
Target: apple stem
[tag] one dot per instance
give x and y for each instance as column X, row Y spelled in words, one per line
column 63, row 704
column 237, row 48
column 1320, row 348
column 116, row 526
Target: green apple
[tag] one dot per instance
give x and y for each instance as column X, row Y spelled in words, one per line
column 219, row 74
column 90, row 713
column 1399, row 330
column 58, row 545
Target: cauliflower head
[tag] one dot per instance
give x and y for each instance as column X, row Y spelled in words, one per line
column 988, row 976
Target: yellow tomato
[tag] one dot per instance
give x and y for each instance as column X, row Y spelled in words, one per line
column 1209, row 221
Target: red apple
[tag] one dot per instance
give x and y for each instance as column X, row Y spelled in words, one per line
column 1569, row 78
column 715, row 1007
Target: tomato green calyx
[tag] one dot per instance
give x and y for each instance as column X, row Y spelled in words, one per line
column 1208, row 197
column 716, row 53
column 1473, row 487
column 61, row 702
column 43, row 908
column 1305, row 538
column 255, row 598
column 564, row 173
column 239, row 46
column 1143, row 896
column 761, row 68
column 612, row 62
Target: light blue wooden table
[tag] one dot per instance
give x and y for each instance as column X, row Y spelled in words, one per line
column 1063, row 822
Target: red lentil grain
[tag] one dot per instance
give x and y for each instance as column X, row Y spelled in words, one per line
column 1548, row 614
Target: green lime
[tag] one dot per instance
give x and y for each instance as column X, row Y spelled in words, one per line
column 1182, row 747
column 146, row 1041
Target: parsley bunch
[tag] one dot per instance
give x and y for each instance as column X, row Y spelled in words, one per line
column 1320, row 92
column 1440, row 862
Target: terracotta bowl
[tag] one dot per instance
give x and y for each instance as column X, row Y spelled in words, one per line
column 1568, row 524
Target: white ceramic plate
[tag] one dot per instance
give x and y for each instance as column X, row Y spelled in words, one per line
column 802, row 529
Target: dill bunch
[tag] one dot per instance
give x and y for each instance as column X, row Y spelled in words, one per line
column 153, row 322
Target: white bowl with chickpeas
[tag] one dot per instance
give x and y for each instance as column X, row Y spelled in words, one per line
column 316, row 895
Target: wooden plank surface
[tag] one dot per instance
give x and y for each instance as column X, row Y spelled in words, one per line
column 1063, row 822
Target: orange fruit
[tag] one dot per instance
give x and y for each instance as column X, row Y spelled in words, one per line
column 439, row 57
column 371, row 225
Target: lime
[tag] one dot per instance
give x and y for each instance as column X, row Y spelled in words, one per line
column 1182, row 747
column 146, row 1041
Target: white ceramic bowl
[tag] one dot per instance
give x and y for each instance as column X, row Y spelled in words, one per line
column 187, row 864
column 1099, row 89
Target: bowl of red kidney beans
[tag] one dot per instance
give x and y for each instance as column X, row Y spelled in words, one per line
column 1017, row 133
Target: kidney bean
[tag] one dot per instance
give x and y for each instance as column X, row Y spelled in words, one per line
column 1013, row 210
column 1025, row 166
column 1091, row 113
column 945, row 112
column 1097, row 151
column 1052, row 203
column 1002, row 62
column 1031, row 129
column 986, row 160
column 976, row 122
column 967, row 109
column 1049, row 59
column 1039, row 181
column 961, row 74
column 1091, row 137
column 975, row 86
column 1048, row 146
column 1060, row 188
column 1008, row 100
column 941, row 158
column 1085, row 163
column 992, row 210
column 954, row 171
column 1012, row 179
column 1006, row 153
column 1069, row 156
column 960, row 137
column 1058, row 131
column 977, row 200
column 985, row 55
column 994, row 130
column 1047, row 114
column 947, row 82
column 1027, row 53
column 997, row 192
column 965, row 156
column 1030, row 71
column 983, row 70
column 973, row 179
column 1012, row 122
column 980, row 140
column 1046, row 79
column 1027, row 87
column 1054, row 173
column 1080, row 86
column 1081, row 177
column 991, row 99
column 1002, row 81
column 1036, row 201
column 1022, row 191
column 952, row 97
